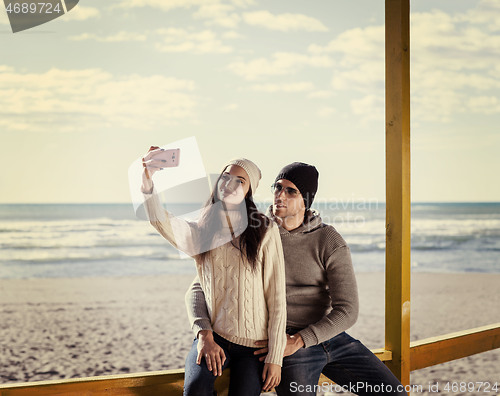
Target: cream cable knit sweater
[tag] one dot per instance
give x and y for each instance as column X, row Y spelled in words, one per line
column 244, row 306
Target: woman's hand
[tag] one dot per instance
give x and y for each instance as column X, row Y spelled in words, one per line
column 214, row 355
column 150, row 165
column 271, row 376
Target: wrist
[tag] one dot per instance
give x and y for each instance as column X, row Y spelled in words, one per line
column 147, row 187
column 205, row 334
column 298, row 341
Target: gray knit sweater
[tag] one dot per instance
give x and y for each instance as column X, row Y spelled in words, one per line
column 321, row 291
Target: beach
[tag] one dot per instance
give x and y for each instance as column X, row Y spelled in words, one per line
column 53, row 328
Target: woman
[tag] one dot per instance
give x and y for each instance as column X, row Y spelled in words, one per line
column 240, row 266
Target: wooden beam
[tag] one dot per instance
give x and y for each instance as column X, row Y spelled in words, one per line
column 423, row 353
column 382, row 354
column 437, row 350
column 140, row 384
column 166, row 383
column 397, row 88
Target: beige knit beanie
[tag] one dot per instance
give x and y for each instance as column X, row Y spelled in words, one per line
column 251, row 169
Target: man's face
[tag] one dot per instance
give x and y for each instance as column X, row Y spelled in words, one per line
column 288, row 202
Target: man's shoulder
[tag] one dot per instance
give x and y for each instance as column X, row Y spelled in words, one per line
column 330, row 236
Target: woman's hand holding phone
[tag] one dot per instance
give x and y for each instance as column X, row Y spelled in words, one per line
column 147, row 182
column 155, row 160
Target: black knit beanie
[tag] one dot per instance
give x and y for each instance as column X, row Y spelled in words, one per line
column 305, row 177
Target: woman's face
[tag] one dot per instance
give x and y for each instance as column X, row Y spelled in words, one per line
column 233, row 185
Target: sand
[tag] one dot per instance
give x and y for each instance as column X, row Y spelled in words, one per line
column 68, row 328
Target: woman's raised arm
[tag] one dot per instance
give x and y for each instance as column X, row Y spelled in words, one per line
column 182, row 234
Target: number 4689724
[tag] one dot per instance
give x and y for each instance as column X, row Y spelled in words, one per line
column 34, row 8
column 477, row 386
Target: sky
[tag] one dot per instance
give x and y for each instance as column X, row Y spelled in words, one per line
column 275, row 81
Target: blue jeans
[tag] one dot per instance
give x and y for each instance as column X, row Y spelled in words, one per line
column 245, row 377
column 342, row 359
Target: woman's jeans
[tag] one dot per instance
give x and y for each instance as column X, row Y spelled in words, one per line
column 245, row 376
column 342, row 359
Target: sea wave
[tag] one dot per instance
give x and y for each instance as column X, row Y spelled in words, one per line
column 73, row 239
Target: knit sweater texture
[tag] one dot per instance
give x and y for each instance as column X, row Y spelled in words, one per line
column 240, row 304
column 321, row 290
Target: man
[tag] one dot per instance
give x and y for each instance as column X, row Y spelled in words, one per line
column 322, row 300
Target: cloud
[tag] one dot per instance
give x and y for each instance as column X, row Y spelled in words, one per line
column 284, row 22
column 169, row 40
column 167, row 5
column 360, row 58
column 325, row 111
column 243, row 3
column 486, row 14
column 285, row 87
column 4, row 19
column 219, row 15
column 114, row 38
column 64, row 100
column 180, row 40
column 485, row 104
column 454, row 63
column 80, row 13
column 463, row 43
column 232, row 35
column 222, row 13
column 230, row 107
column 282, row 63
column 370, row 107
column 320, row 95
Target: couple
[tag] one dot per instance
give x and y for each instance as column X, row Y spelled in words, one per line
column 237, row 303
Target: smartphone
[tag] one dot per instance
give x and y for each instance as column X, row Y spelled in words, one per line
column 171, row 157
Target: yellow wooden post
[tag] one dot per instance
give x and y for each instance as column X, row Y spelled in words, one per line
column 397, row 87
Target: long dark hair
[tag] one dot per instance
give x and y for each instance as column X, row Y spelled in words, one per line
column 251, row 238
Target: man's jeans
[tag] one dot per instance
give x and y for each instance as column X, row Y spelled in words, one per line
column 342, row 359
column 244, row 377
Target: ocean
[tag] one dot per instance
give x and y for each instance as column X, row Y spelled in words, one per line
column 87, row 240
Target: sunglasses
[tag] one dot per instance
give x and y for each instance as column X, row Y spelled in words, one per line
column 290, row 192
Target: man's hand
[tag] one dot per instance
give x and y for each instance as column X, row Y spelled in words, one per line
column 207, row 348
column 293, row 344
column 271, row 376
